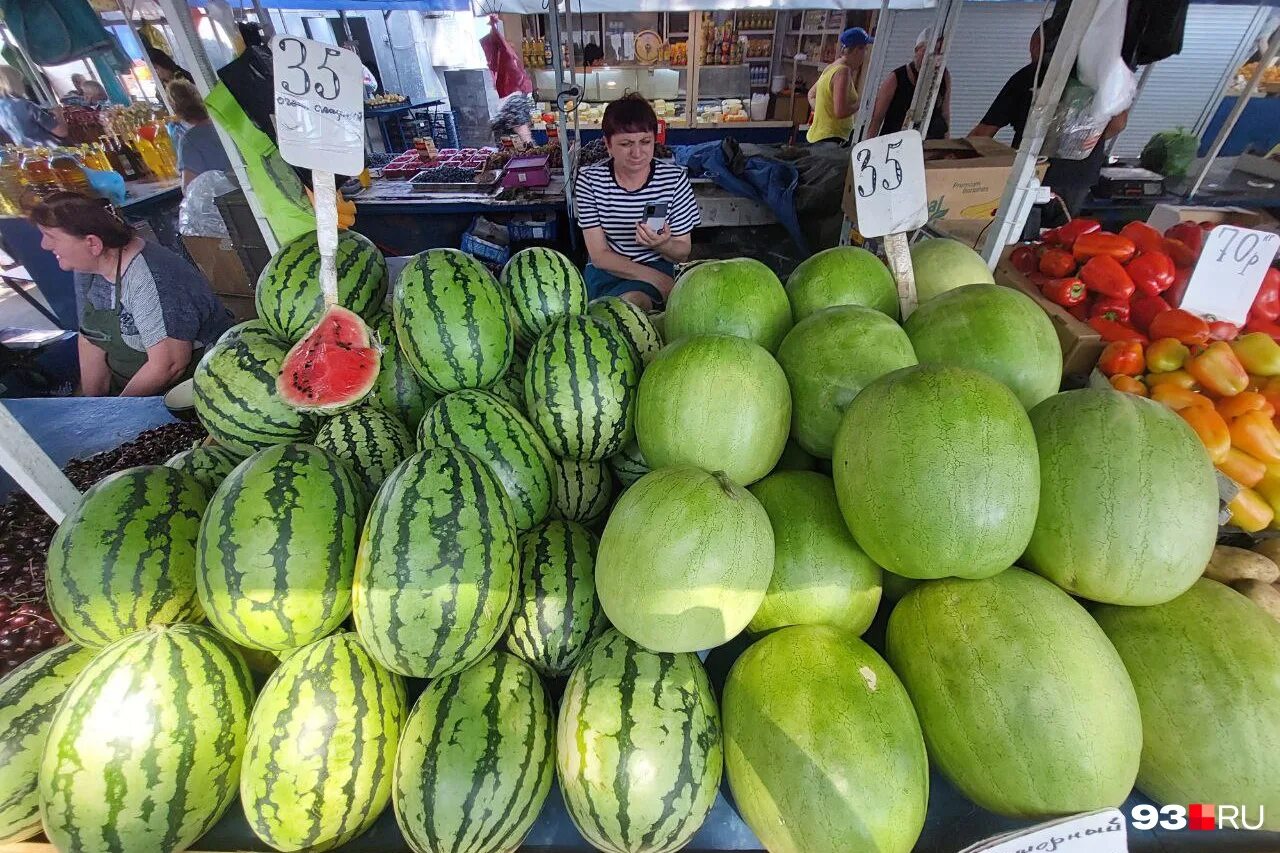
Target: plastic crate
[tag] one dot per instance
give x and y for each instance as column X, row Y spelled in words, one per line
column 484, row 250
column 545, row 228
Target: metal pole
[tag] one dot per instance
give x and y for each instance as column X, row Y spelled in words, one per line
column 161, row 92
column 939, row 64
column 37, row 77
column 928, row 71
column 1268, row 56
column 867, row 102
column 562, row 123
column 1015, row 204
column 1142, row 82
column 264, row 21
column 33, row 470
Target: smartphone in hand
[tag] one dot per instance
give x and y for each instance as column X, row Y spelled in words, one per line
column 655, row 216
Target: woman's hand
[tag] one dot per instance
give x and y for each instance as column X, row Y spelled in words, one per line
column 646, row 236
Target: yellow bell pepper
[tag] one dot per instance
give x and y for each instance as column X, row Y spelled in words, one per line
column 1218, row 370
column 1258, row 352
column 1167, row 354
column 1242, row 467
column 1255, row 434
column 1249, row 511
column 1178, row 378
column 1269, row 488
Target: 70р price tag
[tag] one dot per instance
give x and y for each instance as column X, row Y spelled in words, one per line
column 888, row 187
column 319, row 95
column 1230, row 272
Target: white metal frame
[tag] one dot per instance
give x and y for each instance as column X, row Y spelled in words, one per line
column 33, row 470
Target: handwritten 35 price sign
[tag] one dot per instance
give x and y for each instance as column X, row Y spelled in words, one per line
column 319, row 96
column 888, row 184
column 1230, row 272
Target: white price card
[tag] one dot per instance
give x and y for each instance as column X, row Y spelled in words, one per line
column 1230, row 271
column 1096, row 832
column 319, row 95
column 888, row 184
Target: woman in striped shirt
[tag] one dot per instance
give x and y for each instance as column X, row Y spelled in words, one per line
column 628, row 258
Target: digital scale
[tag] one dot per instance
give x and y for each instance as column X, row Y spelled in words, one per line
column 1129, row 182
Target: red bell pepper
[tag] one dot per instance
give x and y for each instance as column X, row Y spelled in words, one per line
column 1066, row 235
column 1102, row 243
column 1181, row 278
column 1221, row 330
column 1265, row 326
column 1038, row 278
column 1081, row 309
column 1146, row 238
column 1113, row 330
column 1183, row 325
column 1057, row 263
column 1024, row 259
column 1267, row 303
column 1152, row 272
column 1122, row 357
column 1184, row 257
column 1065, row 291
column 1111, row 309
column 1143, row 309
column 1103, row 274
column 1189, row 234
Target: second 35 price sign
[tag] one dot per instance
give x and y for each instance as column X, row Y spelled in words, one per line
column 888, row 184
column 319, row 105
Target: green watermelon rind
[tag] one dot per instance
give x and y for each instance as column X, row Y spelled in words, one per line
column 288, row 298
column 542, row 286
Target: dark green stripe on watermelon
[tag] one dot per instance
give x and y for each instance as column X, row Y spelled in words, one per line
column 582, row 490
column 543, row 286
column 288, row 295
column 372, row 442
column 451, row 321
column 398, row 389
column 628, row 464
column 209, row 465
column 436, row 574
column 631, row 320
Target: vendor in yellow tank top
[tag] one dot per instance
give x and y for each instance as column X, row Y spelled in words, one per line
column 834, row 97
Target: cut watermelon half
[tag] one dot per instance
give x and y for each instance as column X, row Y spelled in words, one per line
column 333, row 367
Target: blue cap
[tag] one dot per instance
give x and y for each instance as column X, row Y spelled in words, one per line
column 855, row 37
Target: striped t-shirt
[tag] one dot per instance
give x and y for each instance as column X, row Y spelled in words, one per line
column 601, row 203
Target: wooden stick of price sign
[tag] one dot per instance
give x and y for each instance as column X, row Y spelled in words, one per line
column 319, row 95
column 888, row 183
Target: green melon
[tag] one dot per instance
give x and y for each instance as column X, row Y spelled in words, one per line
column 398, row 389
column 1154, row 482
column 941, row 264
column 510, row 388
column 822, row 748
column 288, row 297
column 248, row 327
column 828, row 358
column 937, row 474
column 371, row 441
column 208, row 465
column 543, row 286
column 995, row 329
column 740, row 297
column 628, row 464
column 1206, row 667
column 843, row 275
column 795, row 458
column 581, row 491
column 718, row 402
column 972, row 653
column 684, row 560
column 631, row 320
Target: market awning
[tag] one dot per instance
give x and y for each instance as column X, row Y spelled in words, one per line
column 354, row 5
column 533, row 7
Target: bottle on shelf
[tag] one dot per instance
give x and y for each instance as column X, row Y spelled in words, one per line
column 37, row 177
column 10, row 182
column 95, row 157
column 546, row 53
column 68, row 172
column 124, row 159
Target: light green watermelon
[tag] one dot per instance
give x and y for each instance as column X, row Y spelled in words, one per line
column 843, row 275
column 941, row 264
column 740, row 297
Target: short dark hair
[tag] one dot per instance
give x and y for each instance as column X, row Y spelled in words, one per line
column 186, row 101
column 81, row 216
column 591, row 53
column 629, row 114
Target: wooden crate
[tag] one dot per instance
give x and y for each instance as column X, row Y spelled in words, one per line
column 1081, row 345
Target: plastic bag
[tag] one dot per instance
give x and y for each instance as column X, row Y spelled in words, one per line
column 1099, row 64
column 198, row 215
column 1074, row 131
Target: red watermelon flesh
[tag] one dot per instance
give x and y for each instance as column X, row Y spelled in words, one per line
column 333, row 367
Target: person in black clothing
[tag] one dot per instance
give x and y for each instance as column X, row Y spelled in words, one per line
column 893, row 101
column 1070, row 180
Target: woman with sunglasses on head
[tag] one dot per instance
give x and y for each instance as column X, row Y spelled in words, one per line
column 146, row 314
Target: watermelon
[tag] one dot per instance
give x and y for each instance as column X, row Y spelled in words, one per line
column 995, row 329
column 581, row 491
column 820, row 575
column 628, row 464
column 638, row 747
column 942, row 264
column 398, row 389
column 828, row 358
column 451, row 321
column 477, row 759
column 740, row 297
column 288, row 295
column 29, row 695
column 1154, row 482
column 125, row 557
column 718, row 402
column 543, row 286
column 236, row 396
column 371, row 441
column 795, row 458
column 557, row 612
column 332, row 368
column 510, row 388
column 844, row 275
column 973, row 652
column 936, row 473
column 631, row 320
column 248, row 327
column 322, row 743
column 822, row 747
column 580, row 387
column 286, row 582
column 500, row 437
column 143, row 754
column 684, row 560
column 896, row 586
column 209, row 465
column 436, row 575
column 1205, row 667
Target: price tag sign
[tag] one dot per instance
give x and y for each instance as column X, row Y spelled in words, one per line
column 888, row 184
column 1230, row 272
column 319, row 95
column 1096, row 832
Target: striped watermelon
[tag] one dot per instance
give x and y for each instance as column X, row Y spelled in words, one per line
column 125, row 557
column 631, row 320
column 557, row 612
column 638, row 747
column 436, row 574
column 236, row 397
column 580, row 387
column 543, row 286
column 209, row 465
column 288, row 294
column 372, row 442
column 510, row 388
column 29, row 695
column 628, row 464
column 451, row 321
column 581, row 490
column 500, row 437
column 277, row 548
column 398, row 389
column 322, row 742
column 476, row 760
column 248, row 327
column 144, row 752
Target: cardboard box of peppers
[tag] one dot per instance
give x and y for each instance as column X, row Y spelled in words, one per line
column 1223, row 381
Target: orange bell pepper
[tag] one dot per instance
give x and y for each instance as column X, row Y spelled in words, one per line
column 1178, row 398
column 1129, row 385
column 1271, row 390
column 1218, row 370
column 1258, row 352
column 1166, row 354
column 1211, row 428
column 1099, row 243
column 1183, row 325
column 1243, row 403
column 1242, row 468
column 1174, row 378
column 1256, row 434
column 1249, row 511
column 1122, row 357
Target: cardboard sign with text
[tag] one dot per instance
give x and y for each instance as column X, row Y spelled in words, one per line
column 319, row 97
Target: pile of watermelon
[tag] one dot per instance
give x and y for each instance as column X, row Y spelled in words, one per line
column 543, row 511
